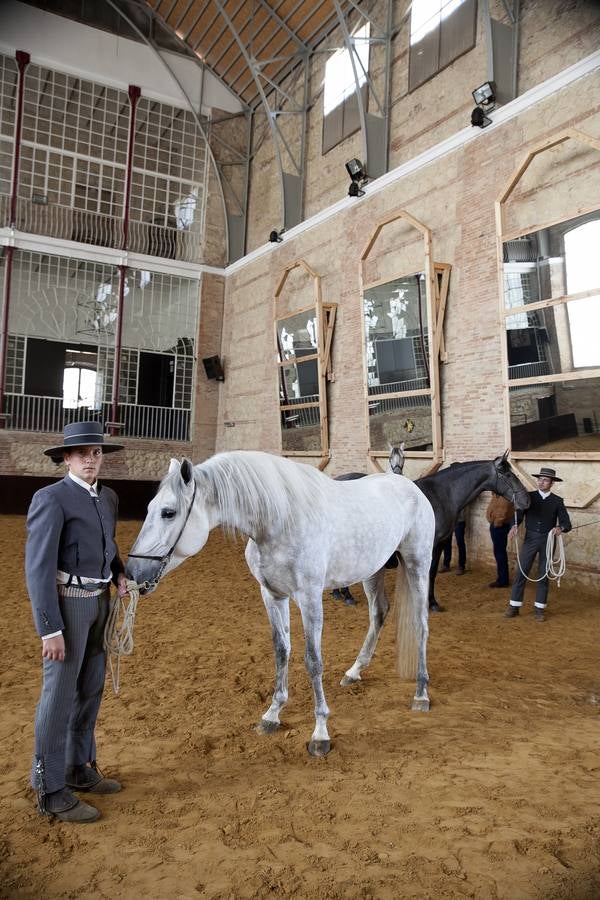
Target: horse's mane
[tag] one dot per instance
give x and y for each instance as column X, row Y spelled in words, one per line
column 448, row 470
column 263, row 488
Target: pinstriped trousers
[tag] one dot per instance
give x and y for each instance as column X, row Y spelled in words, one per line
column 71, row 693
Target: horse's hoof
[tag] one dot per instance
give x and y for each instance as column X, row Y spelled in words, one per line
column 346, row 680
column 435, row 607
column 319, row 748
column 420, row 704
column 267, row 727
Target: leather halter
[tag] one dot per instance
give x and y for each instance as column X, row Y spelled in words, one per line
column 500, row 476
column 164, row 560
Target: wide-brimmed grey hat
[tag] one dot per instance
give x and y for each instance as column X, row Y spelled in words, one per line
column 546, row 472
column 81, row 434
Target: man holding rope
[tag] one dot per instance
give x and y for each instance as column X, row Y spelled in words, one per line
column 71, row 559
column 546, row 513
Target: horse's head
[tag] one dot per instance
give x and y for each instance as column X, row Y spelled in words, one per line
column 397, row 459
column 508, row 485
column 176, row 526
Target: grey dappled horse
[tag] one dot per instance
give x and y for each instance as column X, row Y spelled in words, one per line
column 306, row 532
column 451, row 489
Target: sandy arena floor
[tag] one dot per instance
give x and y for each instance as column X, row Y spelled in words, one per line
column 493, row 794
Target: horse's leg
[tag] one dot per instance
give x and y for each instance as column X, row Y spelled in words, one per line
column 378, row 610
column 311, row 610
column 345, row 595
column 415, row 603
column 278, row 612
column 434, row 606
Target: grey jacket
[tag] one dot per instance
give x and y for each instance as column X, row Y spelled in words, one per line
column 68, row 529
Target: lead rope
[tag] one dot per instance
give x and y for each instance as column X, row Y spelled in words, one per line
column 118, row 631
column 555, row 566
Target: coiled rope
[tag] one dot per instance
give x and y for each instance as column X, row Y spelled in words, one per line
column 556, row 566
column 118, row 631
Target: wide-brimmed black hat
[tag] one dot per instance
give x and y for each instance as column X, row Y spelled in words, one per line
column 546, row 473
column 81, row 434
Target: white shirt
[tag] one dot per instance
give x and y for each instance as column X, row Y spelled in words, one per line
column 544, row 495
column 63, row 577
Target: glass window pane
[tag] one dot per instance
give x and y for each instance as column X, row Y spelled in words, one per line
column 299, row 382
column 297, row 334
column 396, row 336
column 400, row 419
column 552, row 262
column 563, row 416
column 551, row 341
column 301, row 429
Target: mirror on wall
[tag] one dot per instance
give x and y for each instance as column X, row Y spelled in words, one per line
column 397, row 361
column 303, row 336
column 552, row 322
column 299, row 394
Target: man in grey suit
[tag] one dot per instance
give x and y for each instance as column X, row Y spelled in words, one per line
column 71, row 559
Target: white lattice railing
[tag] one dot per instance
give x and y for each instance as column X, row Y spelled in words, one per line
column 101, row 230
column 163, row 241
column 26, row 412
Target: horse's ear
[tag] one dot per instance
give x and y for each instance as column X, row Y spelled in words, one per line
column 505, row 457
column 173, row 465
column 402, row 447
column 187, row 472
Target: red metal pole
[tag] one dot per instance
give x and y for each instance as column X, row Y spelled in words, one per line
column 4, row 328
column 134, row 96
column 23, row 59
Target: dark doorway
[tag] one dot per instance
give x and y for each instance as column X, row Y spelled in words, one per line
column 546, row 406
column 156, row 379
column 44, row 368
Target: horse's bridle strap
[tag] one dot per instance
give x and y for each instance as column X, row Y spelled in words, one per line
column 164, row 560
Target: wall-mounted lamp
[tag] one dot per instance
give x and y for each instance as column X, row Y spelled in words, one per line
column 275, row 236
column 358, row 177
column 485, row 98
column 485, row 94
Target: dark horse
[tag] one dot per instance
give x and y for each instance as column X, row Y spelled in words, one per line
column 450, row 490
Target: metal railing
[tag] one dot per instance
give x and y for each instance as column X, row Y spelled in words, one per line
column 161, row 423
column 298, row 418
column 412, row 384
column 530, row 370
column 26, row 412
column 102, row 230
column 382, row 405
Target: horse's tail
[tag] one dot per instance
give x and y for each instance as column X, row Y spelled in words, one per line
column 406, row 626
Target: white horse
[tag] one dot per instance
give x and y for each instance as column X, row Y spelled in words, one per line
column 307, row 533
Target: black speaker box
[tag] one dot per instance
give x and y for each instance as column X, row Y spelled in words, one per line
column 213, row 368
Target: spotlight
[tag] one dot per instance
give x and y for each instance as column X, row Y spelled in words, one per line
column 275, row 236
column 358, row 176
column 479, row 118
column 485, row 94
column 356, row 170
